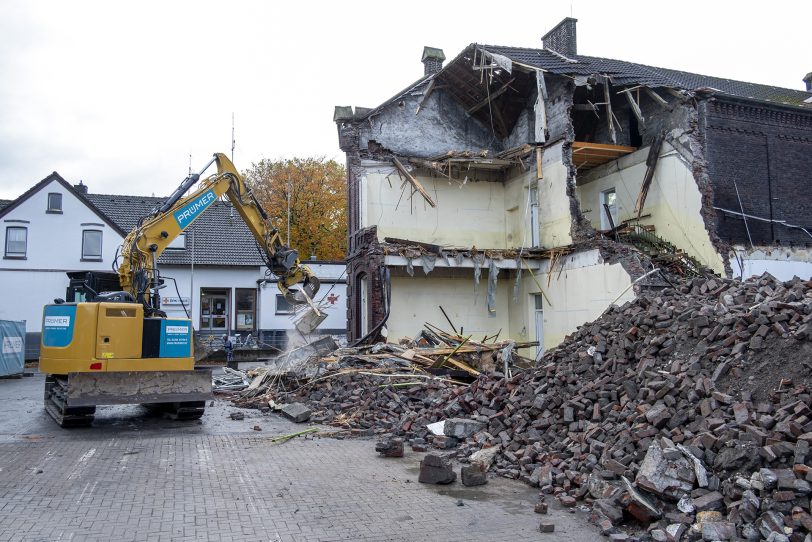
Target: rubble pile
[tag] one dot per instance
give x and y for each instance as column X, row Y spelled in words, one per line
column 687, row 410
column 373, row 387
column 686, row 413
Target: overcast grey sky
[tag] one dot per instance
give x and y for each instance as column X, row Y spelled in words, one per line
column 119, row 94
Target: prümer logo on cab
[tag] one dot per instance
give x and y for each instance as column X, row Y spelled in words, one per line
column 186, row 214
column 57, row 321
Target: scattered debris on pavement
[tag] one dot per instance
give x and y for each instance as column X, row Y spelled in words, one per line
column 686, row 413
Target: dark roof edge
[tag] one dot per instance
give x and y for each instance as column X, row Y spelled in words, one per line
column 722, row 97
column 67, row 186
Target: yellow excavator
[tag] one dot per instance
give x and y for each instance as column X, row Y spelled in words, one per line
column 109, row 342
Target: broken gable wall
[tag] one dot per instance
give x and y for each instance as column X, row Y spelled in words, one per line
column 466, row 215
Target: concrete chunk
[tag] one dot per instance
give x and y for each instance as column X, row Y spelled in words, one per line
column 296, row 412
column 462, row 428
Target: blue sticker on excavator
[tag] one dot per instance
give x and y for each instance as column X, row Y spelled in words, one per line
column 57, row 325
column 176, row 339
column 186, row 214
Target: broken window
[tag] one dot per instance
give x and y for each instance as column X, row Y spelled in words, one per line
column 608, row 206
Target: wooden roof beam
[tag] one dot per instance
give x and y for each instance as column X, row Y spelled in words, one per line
column 492, row 96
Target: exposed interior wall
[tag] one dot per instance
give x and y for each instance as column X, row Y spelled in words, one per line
column 518, row 205
column 466, row 215
column 555, row 214
column 416, row 300
column 442, row 125
column 673, row 205
column 577, row 293
column 783, row 263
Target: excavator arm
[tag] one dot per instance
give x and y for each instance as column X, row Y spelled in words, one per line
column 143, row 246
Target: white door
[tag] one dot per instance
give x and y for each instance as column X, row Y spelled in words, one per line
column 539, row 312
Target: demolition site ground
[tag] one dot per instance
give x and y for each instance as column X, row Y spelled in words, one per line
column 136, row 477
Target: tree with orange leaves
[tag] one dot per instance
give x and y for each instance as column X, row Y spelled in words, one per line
column 317, row 189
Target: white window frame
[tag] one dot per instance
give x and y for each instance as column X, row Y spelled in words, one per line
column 51, row 208
column 92, row 257
column 287, row 308
column 612, row 208
column 16, row 255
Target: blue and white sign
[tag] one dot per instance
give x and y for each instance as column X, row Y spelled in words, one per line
column 186, row 214
column 57, row 325
column 12, row 355
column 176, row 339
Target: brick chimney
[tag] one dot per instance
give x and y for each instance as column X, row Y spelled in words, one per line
column 808, row 81
column 561, row 38
column 432, row 60
column 81, row 187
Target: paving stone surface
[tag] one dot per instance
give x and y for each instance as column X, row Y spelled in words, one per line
column 131, row 479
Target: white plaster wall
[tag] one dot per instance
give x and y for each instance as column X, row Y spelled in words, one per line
column 466, row 215
column 554, row 204
column 24, row 294
column 781, row 262
column 205, row 277
column 674, row 201
column 336, row 312
column 416, row 300
column 55, row 240
column 579, row 294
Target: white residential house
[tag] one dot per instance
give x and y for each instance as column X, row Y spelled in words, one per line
column 213, row 272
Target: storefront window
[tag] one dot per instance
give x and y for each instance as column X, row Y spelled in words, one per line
column 246, row 305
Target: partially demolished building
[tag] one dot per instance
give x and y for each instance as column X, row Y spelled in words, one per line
column 522, row 191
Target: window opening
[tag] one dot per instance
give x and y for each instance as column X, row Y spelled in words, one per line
column 16, row 242
column 609, row 199
column 54, row 202
column 91, row 245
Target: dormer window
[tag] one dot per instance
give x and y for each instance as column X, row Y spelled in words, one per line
column 54, row 203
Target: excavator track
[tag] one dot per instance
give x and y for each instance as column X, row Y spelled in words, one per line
column 56, row 387
column 186, row 410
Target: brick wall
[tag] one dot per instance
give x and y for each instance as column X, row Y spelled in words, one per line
column 364, row 261
column 766, row 152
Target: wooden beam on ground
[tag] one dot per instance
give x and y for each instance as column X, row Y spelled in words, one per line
column 651, row 165
column 492, row 96
column 414, row 182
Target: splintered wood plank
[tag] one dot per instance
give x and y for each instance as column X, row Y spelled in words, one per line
column 414, row 182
